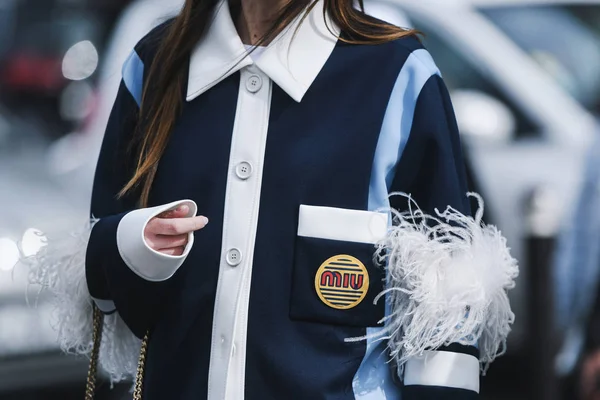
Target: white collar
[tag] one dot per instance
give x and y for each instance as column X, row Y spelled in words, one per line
column 293, row 60
column 256, row 51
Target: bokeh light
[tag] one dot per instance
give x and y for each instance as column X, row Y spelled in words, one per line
column 80, row 61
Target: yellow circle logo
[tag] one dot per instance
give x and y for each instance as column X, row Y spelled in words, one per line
column 342, row 282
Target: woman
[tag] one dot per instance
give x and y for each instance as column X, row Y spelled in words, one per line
column 288, row 124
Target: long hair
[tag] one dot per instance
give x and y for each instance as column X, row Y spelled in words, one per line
column 162, row 96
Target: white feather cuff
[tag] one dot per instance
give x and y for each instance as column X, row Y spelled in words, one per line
column 447, row 282
column 59, row 268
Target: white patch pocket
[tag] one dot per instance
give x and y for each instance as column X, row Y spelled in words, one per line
column 335, row 279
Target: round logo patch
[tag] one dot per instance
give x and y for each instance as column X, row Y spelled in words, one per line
column 342, row 282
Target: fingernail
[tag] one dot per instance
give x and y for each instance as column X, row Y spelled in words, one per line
column 205, row 220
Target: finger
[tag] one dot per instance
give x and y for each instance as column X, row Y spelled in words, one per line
column 176, row 226
column 179, row 212
column 160, row 242
column 175, row 251
column 163, row 226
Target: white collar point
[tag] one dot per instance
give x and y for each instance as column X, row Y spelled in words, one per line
column 293, row 60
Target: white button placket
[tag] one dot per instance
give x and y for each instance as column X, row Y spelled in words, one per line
column 228, row 347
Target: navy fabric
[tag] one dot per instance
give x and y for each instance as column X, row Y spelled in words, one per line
column 432, row 168
column 460, row 348
column 138, row 301
column 319, row 152
column 194, row 166
column 107, row 275
column 419, row 392
column 96, row 256
column 323, row 161
column 432, row 171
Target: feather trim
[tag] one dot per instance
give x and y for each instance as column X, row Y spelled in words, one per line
column 447, row 282
column 58, row 268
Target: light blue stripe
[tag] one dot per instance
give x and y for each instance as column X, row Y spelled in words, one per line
column 397, row 123
column 374, row 380
column 133, row 76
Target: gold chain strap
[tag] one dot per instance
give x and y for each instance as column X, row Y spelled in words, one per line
column 90, row 387
column 139, row 376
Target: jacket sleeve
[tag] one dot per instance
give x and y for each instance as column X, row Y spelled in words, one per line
column 440, row 284
column 123, row 274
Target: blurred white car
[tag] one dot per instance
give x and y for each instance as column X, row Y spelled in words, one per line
column 570, row 54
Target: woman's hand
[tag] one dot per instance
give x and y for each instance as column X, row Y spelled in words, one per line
column 168, row 231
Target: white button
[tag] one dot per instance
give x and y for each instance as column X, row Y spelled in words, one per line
column 234, row 257
column 243, row 170
column 254, row 83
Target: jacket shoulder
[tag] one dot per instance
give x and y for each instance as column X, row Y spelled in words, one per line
column 148, row 46
column 403, row 45
column 411, row 56
column 406, row 51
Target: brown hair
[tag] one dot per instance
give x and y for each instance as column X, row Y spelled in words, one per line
column 162, row 97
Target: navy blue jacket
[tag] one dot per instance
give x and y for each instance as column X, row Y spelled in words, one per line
column 367, row 121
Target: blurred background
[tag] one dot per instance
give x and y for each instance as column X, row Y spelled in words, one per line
column 524, row 76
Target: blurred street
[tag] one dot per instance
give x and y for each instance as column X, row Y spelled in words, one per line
column 28, row 350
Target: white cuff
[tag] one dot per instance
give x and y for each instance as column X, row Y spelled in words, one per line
column 106, row 306
column 135, row 252
column 443, row 368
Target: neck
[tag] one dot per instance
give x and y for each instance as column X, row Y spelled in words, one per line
column 256, row 17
